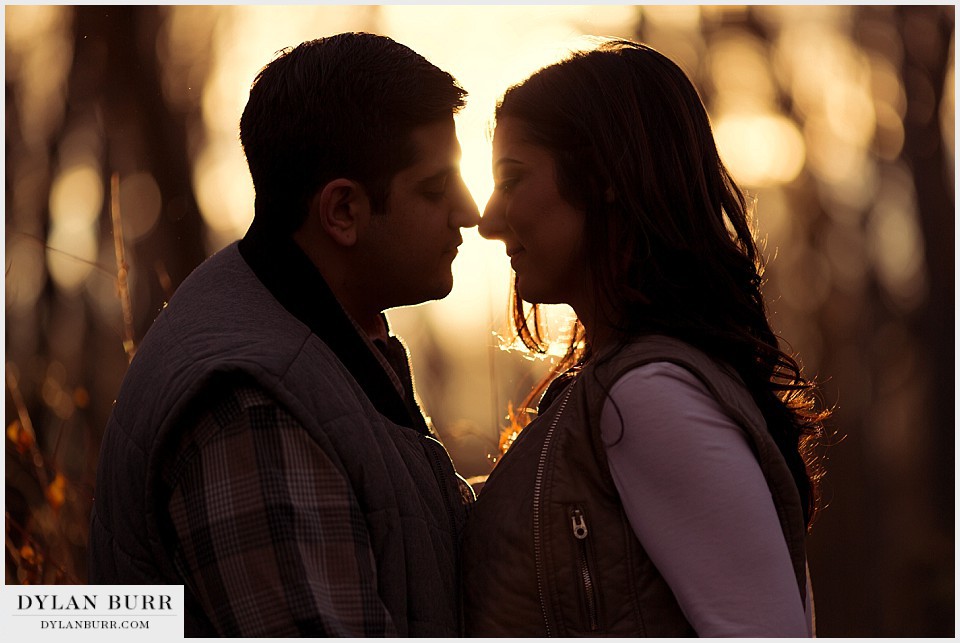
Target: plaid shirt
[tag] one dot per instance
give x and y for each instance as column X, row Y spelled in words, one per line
column 268, row 534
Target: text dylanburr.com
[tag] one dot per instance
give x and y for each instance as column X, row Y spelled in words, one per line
column 47, row 612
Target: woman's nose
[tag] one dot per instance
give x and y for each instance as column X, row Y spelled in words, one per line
column 492, row 222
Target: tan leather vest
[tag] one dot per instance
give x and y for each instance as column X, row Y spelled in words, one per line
column 548, row 550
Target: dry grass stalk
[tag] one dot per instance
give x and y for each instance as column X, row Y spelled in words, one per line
column 33, row 559
column 122, row 269
column 26, row 425
column 165, row 282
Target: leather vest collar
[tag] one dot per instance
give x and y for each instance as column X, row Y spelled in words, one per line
column 290, row 276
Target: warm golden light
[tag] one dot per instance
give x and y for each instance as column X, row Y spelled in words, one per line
column 948, row 121
column 680, row 17
column 487, row 50
column 140, row 204
column 760, row 149
column 850, row 114
column 740, row 71
column 814, row 60
column 224, row 191
column 71, row 249
column 840, row 163
column 77, row 195
column 895, row 241
column 76, row 199
column 838, row 121
column 25, row 274
column 836, row 136
column 38, row 43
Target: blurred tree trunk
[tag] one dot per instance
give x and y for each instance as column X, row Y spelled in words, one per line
column 118, row 75
column 926, row 33
column 116, row 115
column 115, row 84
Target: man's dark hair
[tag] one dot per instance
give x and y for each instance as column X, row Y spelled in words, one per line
column 337, row 107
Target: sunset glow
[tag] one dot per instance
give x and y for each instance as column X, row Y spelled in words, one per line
column 124, row 172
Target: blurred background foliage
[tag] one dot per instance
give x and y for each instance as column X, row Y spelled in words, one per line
column 838, row 120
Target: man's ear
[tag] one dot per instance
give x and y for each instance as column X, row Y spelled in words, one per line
column 342, row 209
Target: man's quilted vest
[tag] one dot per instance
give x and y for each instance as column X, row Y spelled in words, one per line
column 548, row 550
column 223, row 320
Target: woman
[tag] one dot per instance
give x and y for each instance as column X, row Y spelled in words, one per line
column 667, row 484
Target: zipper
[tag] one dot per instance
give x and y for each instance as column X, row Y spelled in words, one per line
column 537, row 490
column 441, row 478
column 580, row 532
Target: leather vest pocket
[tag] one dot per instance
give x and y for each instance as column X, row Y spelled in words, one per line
column 580, row 532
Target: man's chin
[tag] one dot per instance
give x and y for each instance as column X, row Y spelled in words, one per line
column 443, row 285
column 437, row 292
column 441, row 291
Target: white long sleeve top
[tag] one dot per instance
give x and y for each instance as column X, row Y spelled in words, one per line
column 698, row 502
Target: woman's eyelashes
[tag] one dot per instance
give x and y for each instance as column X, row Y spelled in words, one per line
column 506, row 184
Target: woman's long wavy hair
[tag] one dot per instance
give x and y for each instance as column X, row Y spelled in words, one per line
column 667, row 238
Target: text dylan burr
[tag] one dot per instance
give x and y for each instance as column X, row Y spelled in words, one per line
column 55, row 603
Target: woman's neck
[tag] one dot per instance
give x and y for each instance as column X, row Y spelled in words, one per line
column 599, row 333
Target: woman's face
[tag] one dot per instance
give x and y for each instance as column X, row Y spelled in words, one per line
column 542, row 232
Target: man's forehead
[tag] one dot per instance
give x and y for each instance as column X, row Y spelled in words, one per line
column 436, row 144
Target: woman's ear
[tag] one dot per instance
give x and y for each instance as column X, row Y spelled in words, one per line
column 341, row 209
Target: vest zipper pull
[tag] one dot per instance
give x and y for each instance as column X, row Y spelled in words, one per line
column 579, row 525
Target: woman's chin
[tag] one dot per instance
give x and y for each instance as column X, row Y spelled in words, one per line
column 532, row 294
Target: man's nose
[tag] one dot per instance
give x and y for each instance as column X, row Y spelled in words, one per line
column 465, row 212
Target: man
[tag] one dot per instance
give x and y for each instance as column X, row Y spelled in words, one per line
column 266, row 449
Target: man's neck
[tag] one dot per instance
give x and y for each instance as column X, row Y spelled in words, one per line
column 352, row 298
column 368, row 319
column 375, row 328
column 298, row 285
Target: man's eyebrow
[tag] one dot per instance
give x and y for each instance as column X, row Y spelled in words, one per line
column 442, row 173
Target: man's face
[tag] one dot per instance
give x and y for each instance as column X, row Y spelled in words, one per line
column 408, row 249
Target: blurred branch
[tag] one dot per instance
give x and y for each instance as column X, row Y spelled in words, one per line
column 46, row 246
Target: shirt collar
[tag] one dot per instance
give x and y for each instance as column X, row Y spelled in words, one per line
column 296, row 283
